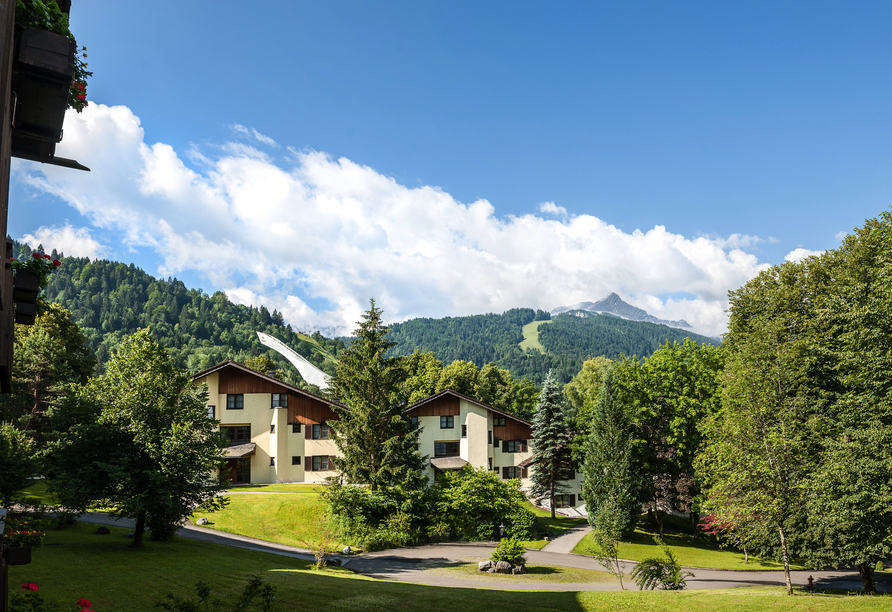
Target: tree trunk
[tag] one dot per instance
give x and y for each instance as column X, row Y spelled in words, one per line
column 552, row 500
column 746, row 556
column 866, row 571
column 659, row 514
column 138, row 530
column 783, row 540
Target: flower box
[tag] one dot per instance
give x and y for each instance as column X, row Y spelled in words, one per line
column 26, row 286
column 18, row 555
column 43, row 72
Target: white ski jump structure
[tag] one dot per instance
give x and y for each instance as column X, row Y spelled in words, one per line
column 308, row 371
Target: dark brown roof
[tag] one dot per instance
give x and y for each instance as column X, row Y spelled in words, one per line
column 470, row 399
column 234, row 364
column 448, row 463
column 526, row 462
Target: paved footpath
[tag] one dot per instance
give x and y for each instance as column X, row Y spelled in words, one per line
column 405, row 565
column 567, row 541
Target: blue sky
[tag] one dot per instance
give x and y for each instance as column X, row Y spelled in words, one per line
column 458, row 158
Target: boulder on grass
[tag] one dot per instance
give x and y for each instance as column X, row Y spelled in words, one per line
column 503, row 567
column 519, row 570
column 484, row 566
column 201, row 521
column 102, row 530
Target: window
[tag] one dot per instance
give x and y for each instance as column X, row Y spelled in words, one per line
column 489, row 437
column 320, row 432
column 464, row 431
column 212, row 412
column 513, row 446
column 445, row 449
column 498, row 422
column 279, row 400
column 413, row 422
column 238, row 434
column 320, row 463
column 272, row 461
column 272, row 428
column 243, row 470
column 447, row 422
column 512, row 472
column 568, row 474
column 235, row 401
column 564, row 501
column 295, row 460
column 496, row 442
column 295, row 428
column 490, row 463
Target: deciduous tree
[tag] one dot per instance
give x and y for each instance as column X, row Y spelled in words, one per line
column 140, row 442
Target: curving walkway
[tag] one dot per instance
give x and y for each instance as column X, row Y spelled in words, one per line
column 403, row 564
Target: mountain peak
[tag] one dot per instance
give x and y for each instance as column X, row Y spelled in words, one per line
column 613, row 304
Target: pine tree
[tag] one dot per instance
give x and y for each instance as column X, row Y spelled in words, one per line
column 378, row 444
column 550, row 436
column 610, row 489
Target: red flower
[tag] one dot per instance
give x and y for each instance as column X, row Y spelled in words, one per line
column 37, row 255
column 30, row 586
column 57, row 263
column 47, row 257
column 83, row 603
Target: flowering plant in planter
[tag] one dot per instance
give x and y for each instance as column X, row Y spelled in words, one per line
column 46, row 15
column 22, row 530
column 40, row 264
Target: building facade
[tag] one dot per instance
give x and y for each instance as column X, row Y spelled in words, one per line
column 278, row 433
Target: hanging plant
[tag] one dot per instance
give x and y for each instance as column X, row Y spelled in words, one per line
column 46, row 15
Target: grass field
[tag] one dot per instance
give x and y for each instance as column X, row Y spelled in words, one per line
column 689, row 551
column 281, row 488
column 286, row 519
column 531, row 336
column 116, row 578
column 535, row 573
column 37, row 491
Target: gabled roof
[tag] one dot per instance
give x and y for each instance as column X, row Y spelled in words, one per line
column 470, row 399
column 229, row 363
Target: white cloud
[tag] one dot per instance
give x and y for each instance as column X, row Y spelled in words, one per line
column 550, row 208
column 251, row 132
column 310, row 229
column 800, row 254
column 67, row 239
column 840, row 236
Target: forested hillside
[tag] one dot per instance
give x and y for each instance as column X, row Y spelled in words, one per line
column 568, row 340
column 110, row 300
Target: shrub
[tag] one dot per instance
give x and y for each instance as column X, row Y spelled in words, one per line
column 521, row 524
column 665, row 573
column 257, row 588
column 879, row 566
column 510, row 550
column 477, row 501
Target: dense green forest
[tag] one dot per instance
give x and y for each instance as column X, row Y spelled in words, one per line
column 110, row 300
column 568, row 339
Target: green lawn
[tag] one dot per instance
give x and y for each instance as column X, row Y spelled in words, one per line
column 467, row 570
column 116, row 578
column 282, row 488
column 689, row 551
column 286, row 519
column 37, row 491
column 531, row 336
column 553, row 526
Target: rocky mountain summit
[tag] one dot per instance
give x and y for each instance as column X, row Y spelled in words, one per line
column 614, row 305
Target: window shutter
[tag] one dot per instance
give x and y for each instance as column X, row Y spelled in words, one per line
column 504, row 446
column 308, row 432
column 504, row 473
column 523, row 446
column 308, row 464
column 331, row 462
column 495, row 442
column 572, row 500
column 523, row 472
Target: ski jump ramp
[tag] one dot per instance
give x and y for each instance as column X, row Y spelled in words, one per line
column 308, row 371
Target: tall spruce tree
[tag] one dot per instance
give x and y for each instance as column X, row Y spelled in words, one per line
column 379, row 446
column 551, row 438
column 611, row 488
